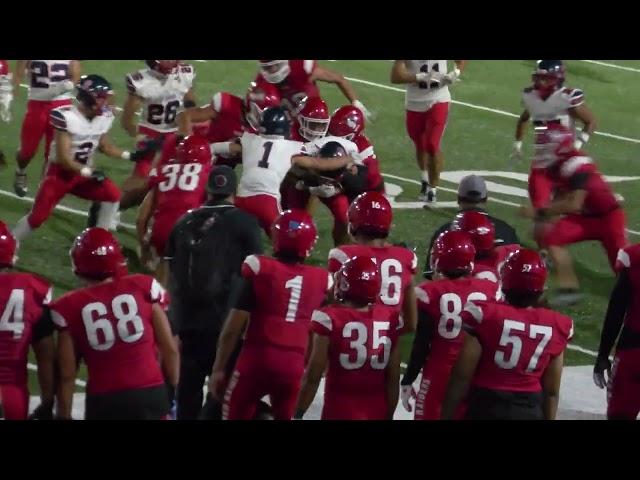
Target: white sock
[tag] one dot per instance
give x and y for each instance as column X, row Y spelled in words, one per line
column 21, row 171
column 106, row 215
column 22, row 229
column 425, row 176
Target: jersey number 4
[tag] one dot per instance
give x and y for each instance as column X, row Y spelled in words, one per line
column 99, row 328
column 12, row 319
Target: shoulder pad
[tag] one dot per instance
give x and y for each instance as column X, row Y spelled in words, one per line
column 58, row 119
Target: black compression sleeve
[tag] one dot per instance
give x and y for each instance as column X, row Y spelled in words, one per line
column 420, row 349
column 618, row 302
column 245, row 295
column 45, row 327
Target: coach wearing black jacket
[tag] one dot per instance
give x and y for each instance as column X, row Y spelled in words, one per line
column 205, row 254
column 472, row 195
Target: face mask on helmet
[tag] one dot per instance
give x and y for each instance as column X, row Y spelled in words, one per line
column 275, row 71
column 254, row 116
column 97, row 102
column 312, row 128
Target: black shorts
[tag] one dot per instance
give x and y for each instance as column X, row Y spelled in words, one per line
column 150, row 403
column 486, row 404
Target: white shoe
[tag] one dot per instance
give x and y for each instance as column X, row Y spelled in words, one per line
column 431, row 195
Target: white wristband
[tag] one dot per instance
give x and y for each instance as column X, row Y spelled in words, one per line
column 517, row 144
column 221, row 148
column 126, row 155
column 584, row 136
column 86, row 172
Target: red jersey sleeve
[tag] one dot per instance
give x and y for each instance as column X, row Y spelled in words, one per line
column 321, row 323
column 336, row 258
column 251, row 267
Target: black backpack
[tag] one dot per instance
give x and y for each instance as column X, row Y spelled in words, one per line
column 202, row 267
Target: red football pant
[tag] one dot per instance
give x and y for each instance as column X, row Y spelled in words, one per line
column 608, row 229
column 375, row 182
column 355, row 405
column 427, row 128
column 540, row 187
column 15, row 401
column 264, row 207
column 433, row 388
column 264, row 371
column 36, row 125
column 623, row 389
column 338, row 205
column 58, row 183
column 143, row 166
column 162, row 227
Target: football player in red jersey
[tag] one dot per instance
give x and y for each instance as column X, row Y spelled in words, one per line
column 50, row 85
column 549, row 101
column 229, row 116
column 80, row 130
column 24, row 321
column 311, row 122
column 482, row 231
column 513, row 353
column 439, row 333
column 117, row 325
column 177, row 185
column 296, row 80
column 356, row 343
column 370, row 219
column 277, row 299
column 623, row 319
column 348, row 122
column 584, row 207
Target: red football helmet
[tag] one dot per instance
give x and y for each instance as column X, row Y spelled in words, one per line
column 4, row 67
column 479, row 227
column 370, row 214
column 257, row 100
column 347, row 122
column 553, row 142
column 275, row 71
column 314, row 119
column 8, row 246
column 358, row 280
column 548, row 76
column 96, row 254
column 294, row 233
column 194, row 149
column 453, row 251
column 523, row 271
column 165, row 67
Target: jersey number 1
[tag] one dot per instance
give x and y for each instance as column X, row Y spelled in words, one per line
column 264, row 163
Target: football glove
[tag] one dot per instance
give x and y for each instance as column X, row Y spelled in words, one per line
column 582, row 138
column 5, row 106
column 406, row 394
column 367, row 114
column 451, row 77
column 602, row 365
column 98, row 176
column 324, row 191
column 516, row 153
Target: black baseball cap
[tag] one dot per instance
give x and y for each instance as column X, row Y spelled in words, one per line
column 222, row 181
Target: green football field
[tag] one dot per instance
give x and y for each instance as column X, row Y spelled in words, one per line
column 478, row 138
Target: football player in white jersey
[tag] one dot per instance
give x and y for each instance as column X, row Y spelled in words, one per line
column 266, row 159
column 427, row 101
column 548, row 100
column 80, row 130
column 51, row 83
column 162, row 90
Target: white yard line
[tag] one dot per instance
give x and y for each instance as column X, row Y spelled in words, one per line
column 612, row 65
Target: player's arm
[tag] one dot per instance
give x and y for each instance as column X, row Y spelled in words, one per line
column 551, row 387
column 320, row 164
column 18, row 75
column 64, row 158
column 410, row 308
column 400, row 74
column 144, row 215
column 618, row 303
column 44, row 348
column 331, row 76
column 392, row 378
column 106, row 146
column 75, row 72
column 312, row 375
column 131, row 105
column 461, row 375
column 420, row 349
column 231, row 332
column 571, row 202
column 460, row 65
column 588, row 119
column 521, row 126
column 67, row 368
column 169, row 352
